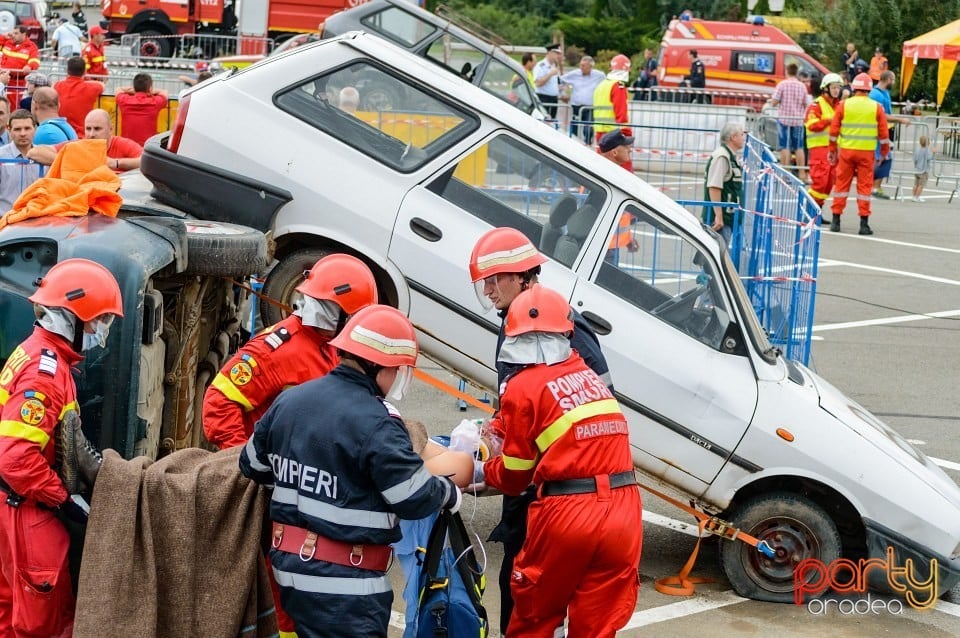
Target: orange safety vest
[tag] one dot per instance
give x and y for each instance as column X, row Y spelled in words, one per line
column 878, row 64
column 622, row 237
column 817, row 139
column 858, row 129
column 603, row 107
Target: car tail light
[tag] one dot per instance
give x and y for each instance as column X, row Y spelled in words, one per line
column 178, row 124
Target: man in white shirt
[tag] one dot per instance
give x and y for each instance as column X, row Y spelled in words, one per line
column 584, row 82
column 15, row 173
column 546, row 79
column 67, row 39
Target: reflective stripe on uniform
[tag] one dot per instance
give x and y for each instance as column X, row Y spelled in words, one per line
column 560, row 427
column 73, row 406
column 517, row 465
column 225, row 385
column 858, row 128
column 405, row 489
column 4, row 397
column 817, row 194
column 332, row 585
column 333, row 514
column 21, row 430
column 255, row 463
column 15, row 54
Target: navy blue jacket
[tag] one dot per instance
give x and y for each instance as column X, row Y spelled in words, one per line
column 341, row 461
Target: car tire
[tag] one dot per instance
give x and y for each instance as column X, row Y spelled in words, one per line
column 219, row 249
column 154, row 44
column 796, row 528
column 283, row 279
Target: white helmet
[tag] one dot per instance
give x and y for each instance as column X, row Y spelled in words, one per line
column 830, row 78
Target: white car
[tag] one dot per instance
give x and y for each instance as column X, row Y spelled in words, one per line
column 714, row 411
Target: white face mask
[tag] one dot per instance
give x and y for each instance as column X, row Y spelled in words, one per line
column 535, row 347
column 400, row 384
column 101, row 329
column 318, row 313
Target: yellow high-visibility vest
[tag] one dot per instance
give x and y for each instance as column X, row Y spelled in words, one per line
column 858, row 129
column 817, row 139
column 603, row 107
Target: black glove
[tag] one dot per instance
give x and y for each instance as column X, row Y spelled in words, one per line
column 453, row 501
column 70, row 510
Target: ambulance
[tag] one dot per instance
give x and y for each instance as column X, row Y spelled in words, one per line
column 737, row 56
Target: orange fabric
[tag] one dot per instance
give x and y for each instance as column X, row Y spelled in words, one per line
column 78, row 181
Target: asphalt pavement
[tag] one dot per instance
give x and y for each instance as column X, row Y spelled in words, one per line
column 887, row 333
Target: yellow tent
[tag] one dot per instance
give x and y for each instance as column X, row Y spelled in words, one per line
column 940, row 44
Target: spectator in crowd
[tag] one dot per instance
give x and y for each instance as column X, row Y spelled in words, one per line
column 77, row 95
column 546, row 79
column 529, row 60
column 791, row 97
column 18, row 56
column 203, row 73
column 878, row 64
column 94, row 54
column 53, row 128
column 698, row 76
column 140, row 106
column 647, row 79
column 79, row 18
column 848, row 60
column 16, row 176
column 846, row 91
column 67, row 39
column 584, row 82
column 616, row 146
column 122, row 154
column 881, row 95
column 4, row 116
column 724, row 180
column 610, row 101
column 349, row 100
column 33, row 80
column 922, row 163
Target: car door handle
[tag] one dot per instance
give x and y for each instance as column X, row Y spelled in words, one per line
column 600, row 325
column 425, row 229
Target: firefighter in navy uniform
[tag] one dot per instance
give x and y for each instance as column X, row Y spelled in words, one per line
column 503, row 264
column 288, row 353
column 343, row 470
column 565, row 433
column 76, row 302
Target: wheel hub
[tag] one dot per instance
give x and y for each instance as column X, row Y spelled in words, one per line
column 792, row 541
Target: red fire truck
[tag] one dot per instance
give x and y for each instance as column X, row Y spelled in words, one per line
column 161, row 23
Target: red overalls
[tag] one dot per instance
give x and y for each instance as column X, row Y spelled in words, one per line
column 822, row 173
column 286, row 354
column 582, row 550
column 36, row 391
column 95, row 59
column 19, row 60
column 857, row 125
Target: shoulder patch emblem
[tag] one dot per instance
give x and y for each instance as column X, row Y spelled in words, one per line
column 48, row 362
column 32, row 411
column 278, row 338
column 391, row 410
column 242, row 371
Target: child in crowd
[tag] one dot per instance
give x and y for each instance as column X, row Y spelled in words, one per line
column 922, row 163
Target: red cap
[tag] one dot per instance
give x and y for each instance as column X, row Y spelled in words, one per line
column 97, row 30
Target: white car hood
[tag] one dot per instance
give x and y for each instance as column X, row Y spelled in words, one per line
column 884, row 438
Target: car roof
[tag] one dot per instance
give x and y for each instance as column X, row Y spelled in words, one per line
column 711, row 34
column 470, row 97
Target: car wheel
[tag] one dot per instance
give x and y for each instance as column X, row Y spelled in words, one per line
column 7, row 21
column 283, row 280
column 795, row 527
column 154, row 44
column 219, row 249
column 378, row 99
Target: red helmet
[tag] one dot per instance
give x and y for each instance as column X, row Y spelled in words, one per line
column 343, row 279
column 503, row 250
column 379, row 334
column 862, row 82
column 83, row 287
column 620, row 62
column 539, row 309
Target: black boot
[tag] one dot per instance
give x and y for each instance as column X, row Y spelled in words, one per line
column 835, row 224
column 864, row 227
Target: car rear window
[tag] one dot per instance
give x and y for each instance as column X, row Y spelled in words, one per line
column 399, row 25
column 379, row 114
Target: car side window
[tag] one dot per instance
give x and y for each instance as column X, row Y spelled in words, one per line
column 508, row 85
column 456, row 55
column 397, row 24
column 803, row 65
column 378, row 113
column 753, row 62
column 506, row 182
column 655, row 268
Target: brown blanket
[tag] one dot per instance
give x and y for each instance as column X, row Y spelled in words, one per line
column 173, row 549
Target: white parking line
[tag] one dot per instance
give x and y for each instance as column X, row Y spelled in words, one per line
column 896, row 243
column 682, row 608
column 653, row 518
column 904, row 273
column 885, row 321
column 950, row 465
column 948, row 608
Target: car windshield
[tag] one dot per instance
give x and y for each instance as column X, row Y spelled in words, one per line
column 752, row 323
column 397, row 24
column 378, row 113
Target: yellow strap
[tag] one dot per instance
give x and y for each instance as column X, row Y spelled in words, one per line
column 21, row 430
column 231, row 391
column 560, row 427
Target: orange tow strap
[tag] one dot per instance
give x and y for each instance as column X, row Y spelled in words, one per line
column 449, row 389
column 683, row 584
